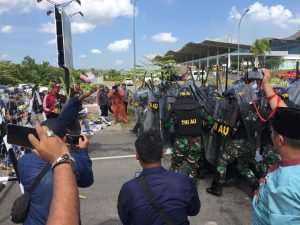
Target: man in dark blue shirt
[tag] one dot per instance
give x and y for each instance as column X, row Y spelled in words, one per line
column 176, row 192
column 30, row 165
column 70, row 113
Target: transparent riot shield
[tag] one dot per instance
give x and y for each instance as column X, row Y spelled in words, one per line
column 225, row 115
column 245, row 95
column 152, row 120
column 167, row 98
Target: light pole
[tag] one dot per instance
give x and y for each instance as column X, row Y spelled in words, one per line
column 134, row 51
column 239, row 28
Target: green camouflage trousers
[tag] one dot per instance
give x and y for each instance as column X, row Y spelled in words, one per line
column 270, row 157
column 239, row 150
column 189, row 149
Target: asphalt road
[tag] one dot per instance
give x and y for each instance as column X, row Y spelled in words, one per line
column 112, row 152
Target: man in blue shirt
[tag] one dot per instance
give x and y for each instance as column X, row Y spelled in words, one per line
column 70, row 113
column 277, row 201
column 176, row 192
column 30, row 165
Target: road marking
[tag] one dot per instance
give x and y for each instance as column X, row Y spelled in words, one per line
column 113, row 157
column 118, row 157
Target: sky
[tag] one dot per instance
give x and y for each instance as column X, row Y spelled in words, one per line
column 103, row 37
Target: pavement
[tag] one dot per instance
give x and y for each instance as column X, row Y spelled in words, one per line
column 112, row 152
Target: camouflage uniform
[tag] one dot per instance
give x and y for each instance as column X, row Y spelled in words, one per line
column 190, row 149
column 236, row 149
column 270, row 157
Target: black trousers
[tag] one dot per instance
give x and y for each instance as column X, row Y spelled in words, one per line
column 104, row 110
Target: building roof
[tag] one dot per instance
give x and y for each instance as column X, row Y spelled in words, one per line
column 193, row 51
column 293, row 37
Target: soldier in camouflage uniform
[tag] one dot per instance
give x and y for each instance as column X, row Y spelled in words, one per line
column 239, row 149
column 188, row 119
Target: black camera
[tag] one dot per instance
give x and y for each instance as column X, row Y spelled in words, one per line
column 115, row 88
column 253, row 75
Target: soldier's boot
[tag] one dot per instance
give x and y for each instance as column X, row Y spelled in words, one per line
column 201, row 172
column 215, row 188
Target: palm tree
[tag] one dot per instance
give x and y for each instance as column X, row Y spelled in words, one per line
column 260, row 48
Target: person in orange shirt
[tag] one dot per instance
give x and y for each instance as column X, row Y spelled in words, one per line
column 117, row 96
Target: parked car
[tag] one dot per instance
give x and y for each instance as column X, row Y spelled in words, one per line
column 198, row 76
column 287, row 74
column 128, row 81
column 233, row 71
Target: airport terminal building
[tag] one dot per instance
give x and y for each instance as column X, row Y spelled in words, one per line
column 209, row 53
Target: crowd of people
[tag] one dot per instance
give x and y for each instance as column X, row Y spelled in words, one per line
column 156, row 196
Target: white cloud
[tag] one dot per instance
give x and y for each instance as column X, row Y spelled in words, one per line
column 48, row 28
column 82, row 56
column 234, row 14
column 20, row 6
column 119, row 62
column 96, row 51
column 78, row 27
column 52, row 42
column 103, row 11
column 278, row 14
column 119, row 46
column 164, row 37
column 4, row 56
column 6, row 29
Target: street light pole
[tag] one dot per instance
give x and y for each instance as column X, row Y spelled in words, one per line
column 239, row 28
column 134, row 49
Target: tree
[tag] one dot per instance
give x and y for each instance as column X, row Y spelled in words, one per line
column 9, row 73
column 273, row 63
column 166, row 65
column 260, row 48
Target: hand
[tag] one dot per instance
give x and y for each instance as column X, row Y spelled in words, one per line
column 83, row 141
column 48, row 148
column 267, row 76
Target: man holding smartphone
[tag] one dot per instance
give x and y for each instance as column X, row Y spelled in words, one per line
column 30, row 165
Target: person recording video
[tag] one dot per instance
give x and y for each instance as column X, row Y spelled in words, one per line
column 30, row 165
column 117, row 96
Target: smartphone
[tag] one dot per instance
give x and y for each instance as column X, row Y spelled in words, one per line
column 18, row 135
column 73, row 139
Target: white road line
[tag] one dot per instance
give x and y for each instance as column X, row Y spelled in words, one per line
column 113, row 157
column 117, row 157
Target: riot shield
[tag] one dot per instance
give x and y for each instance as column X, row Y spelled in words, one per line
column 225, row 115
column 138, row 99
column 245, row 95
column 167, row 98
column 294, row 94
column 152, row 120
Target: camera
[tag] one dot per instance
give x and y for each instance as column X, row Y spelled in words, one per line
column 253, row 75
column 115, row 88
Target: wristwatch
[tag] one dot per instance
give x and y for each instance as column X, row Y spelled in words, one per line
column 66, row 158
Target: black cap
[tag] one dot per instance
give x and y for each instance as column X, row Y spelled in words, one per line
column 57, row 126
column 287, row 122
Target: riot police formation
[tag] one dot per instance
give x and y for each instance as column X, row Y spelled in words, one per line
column 229, row 130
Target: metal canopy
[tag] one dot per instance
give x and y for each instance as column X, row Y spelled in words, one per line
column 194, row 51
